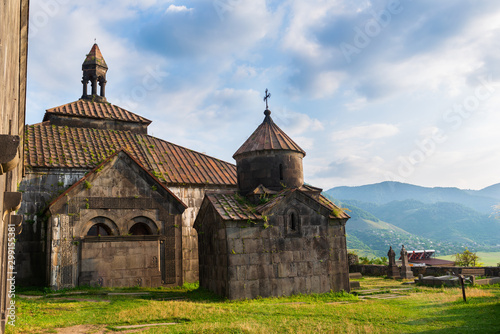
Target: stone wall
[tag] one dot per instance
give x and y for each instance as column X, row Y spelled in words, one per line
column 378, row 270
column 265, row 258
column 117, row 196
column 97, row 123
column 13, row 60
column 272, row 169
column 39, row 188
column 121, row 262
column 192, row 196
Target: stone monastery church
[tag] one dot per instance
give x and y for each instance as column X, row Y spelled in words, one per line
column 106, row 204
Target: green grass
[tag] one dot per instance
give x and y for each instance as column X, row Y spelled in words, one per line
column 421, row 310
column 487, row 258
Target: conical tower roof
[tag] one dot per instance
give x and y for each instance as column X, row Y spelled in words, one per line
column 94, row 57
column 268, row 137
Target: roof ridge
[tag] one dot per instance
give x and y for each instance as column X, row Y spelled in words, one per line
column 83, row 108
column 59, row 146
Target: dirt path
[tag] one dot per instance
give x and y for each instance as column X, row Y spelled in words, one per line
column 92, row 329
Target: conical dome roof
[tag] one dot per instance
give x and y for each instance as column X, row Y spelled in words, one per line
column 268, row 137
column 94, row 57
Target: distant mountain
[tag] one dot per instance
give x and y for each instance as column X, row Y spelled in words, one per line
column 386, row 192
column 491, row 191
column 446, row 219
column 449, row 222
column 370, row 236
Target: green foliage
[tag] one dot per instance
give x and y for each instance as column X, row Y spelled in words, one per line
column 154, row 188
column 376, row 260
column 87, row 184
column 263, row 199
column 467, row 259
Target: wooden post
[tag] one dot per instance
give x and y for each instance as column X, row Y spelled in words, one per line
column 461, row 277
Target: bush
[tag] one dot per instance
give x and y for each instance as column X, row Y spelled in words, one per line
column 467, row 259
column 376, row 260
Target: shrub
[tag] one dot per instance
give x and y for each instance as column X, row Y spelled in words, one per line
column 467, row 259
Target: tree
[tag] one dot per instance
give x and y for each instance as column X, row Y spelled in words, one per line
column 466, row 259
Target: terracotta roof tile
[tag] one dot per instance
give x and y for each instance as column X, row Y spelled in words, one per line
column 95, row 57
column 336, row 212
column 268, row 136
column 230, row 206
column 61, row 146
column 98, row 110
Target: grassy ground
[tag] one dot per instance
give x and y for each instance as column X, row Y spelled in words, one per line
column 488, row 259
column 420, row 310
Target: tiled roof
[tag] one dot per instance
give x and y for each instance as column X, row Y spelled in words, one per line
column 95, row 57
column 99, row 110
column 336, row 212
column 232, row 206
column 61, row 146
column 268, row 136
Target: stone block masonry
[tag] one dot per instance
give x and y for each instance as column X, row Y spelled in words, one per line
column 264, row 259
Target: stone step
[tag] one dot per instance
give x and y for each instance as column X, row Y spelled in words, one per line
column 355, row 275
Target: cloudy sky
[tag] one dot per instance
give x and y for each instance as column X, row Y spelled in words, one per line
column 372, row 90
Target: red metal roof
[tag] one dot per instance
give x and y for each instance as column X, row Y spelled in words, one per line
column 268, row 136
column 70, row 147
column 99, row 110
column 434, row 262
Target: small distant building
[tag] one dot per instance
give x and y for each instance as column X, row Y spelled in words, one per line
column 275, row 236
column 426, row 258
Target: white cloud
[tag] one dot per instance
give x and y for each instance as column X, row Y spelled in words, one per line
column 346, row 116
column 295, row 123
column 178, row 9
column 368, row 132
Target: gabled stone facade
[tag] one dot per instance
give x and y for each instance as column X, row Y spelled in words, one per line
column 117, row 226
column 278, row 238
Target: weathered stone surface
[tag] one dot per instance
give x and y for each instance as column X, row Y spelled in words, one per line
column 116, row 254
column 13, row 59
column 268, row 261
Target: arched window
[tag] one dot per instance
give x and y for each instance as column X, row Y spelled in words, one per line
column 140, row 229
column 142, row 226
column 281, row 172
column 293, row 222
column 100, row 226
column 99, row 229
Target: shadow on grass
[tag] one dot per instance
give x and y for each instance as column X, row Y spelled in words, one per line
column 477, row 315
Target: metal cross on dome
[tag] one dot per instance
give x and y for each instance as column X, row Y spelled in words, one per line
column 266, row 97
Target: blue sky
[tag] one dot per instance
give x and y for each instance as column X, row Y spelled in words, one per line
column 372, row 90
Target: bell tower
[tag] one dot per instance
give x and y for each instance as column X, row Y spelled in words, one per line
column 94, row 70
